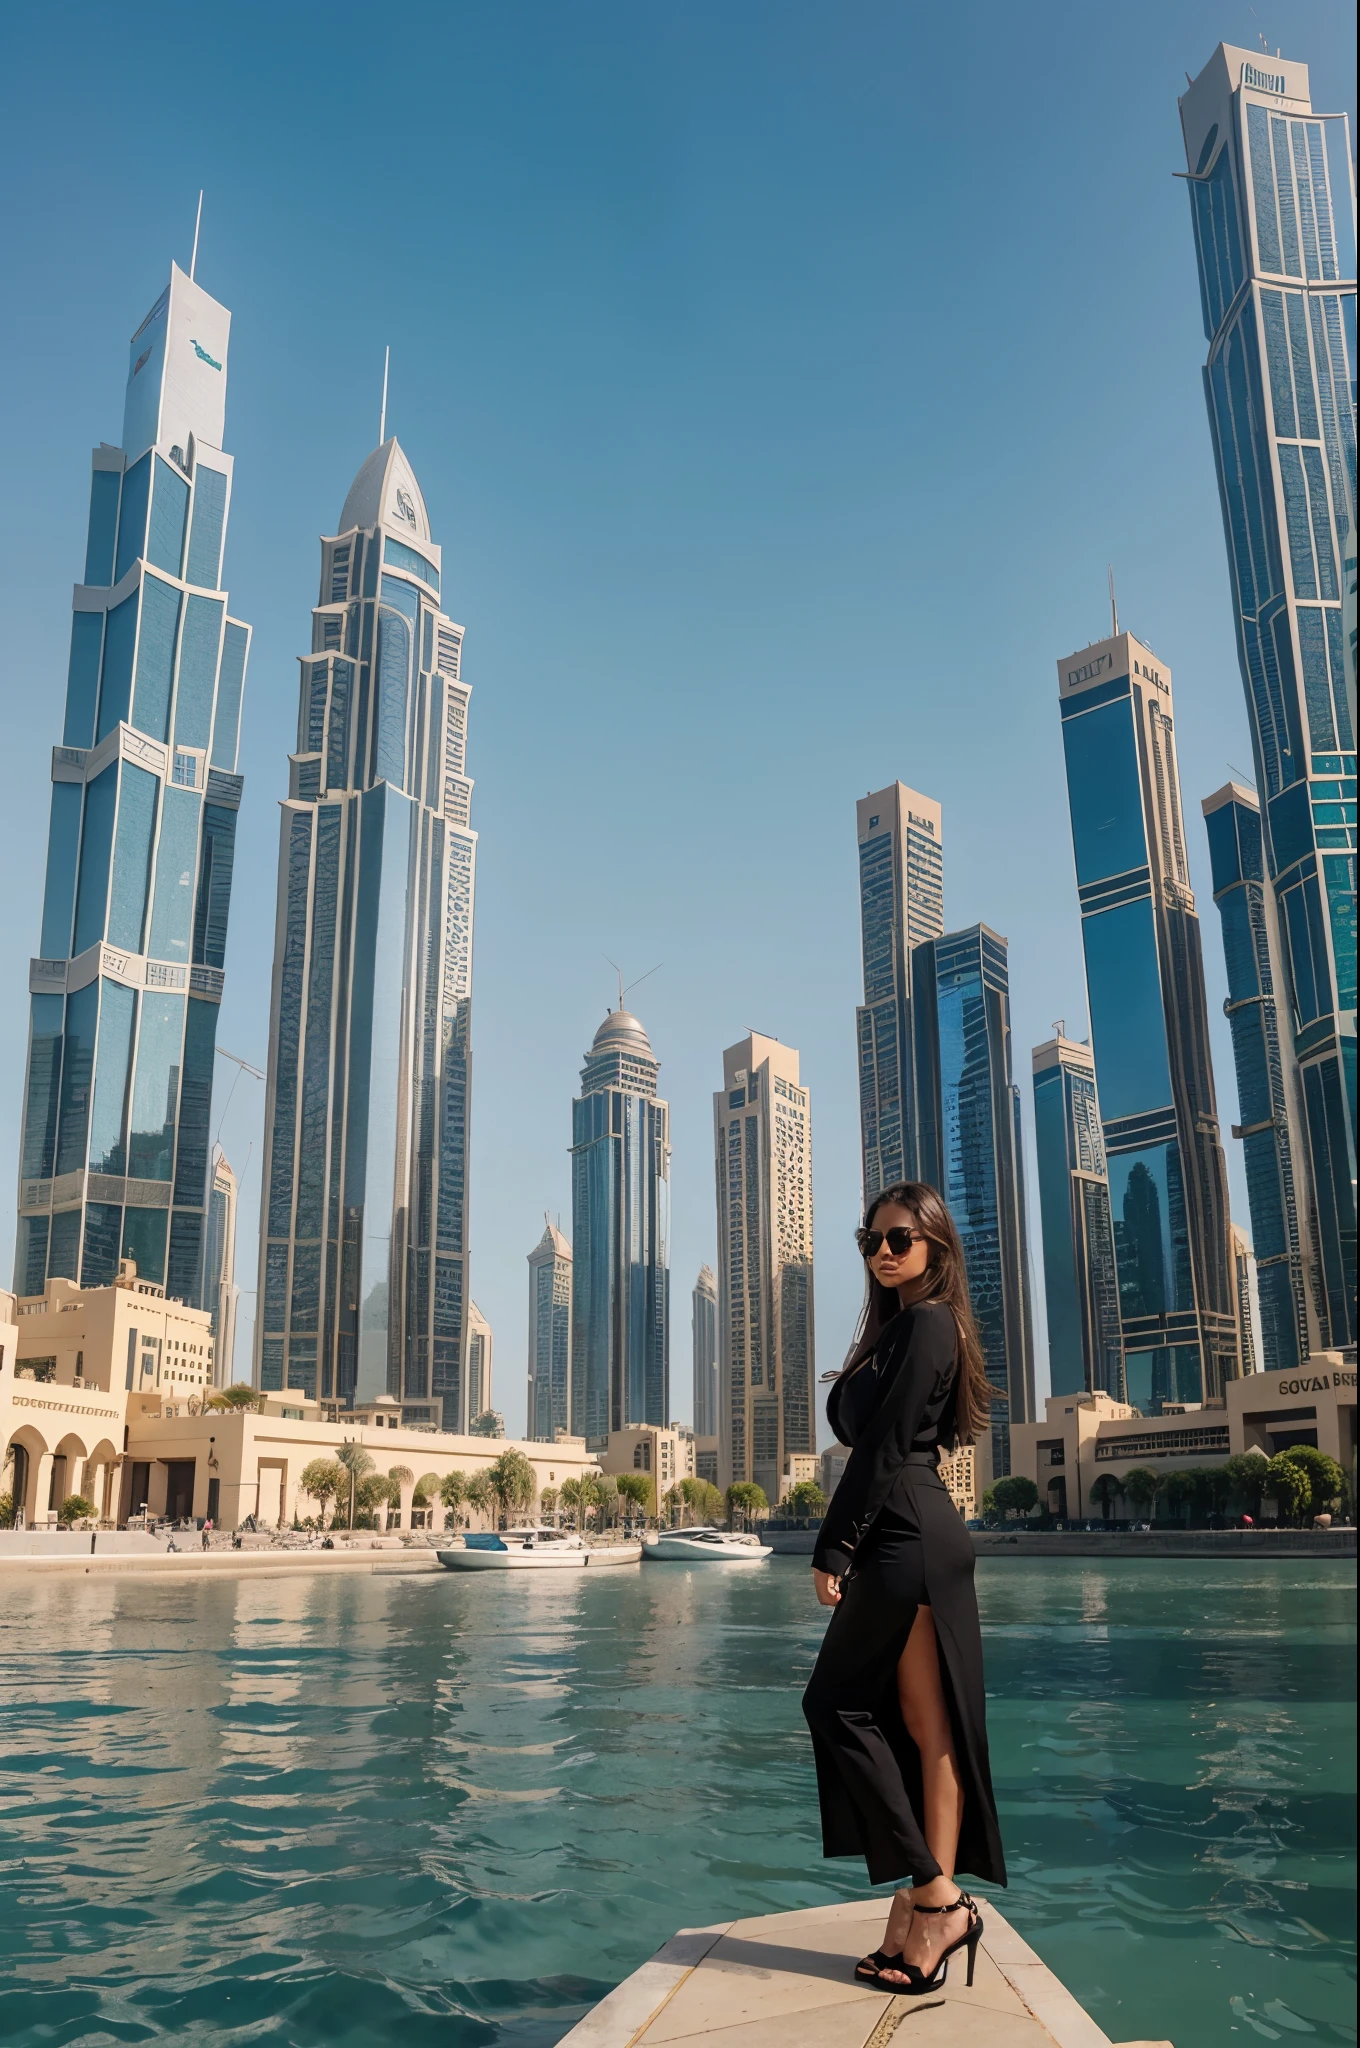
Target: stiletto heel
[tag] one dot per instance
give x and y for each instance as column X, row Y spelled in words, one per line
column 917, row 1980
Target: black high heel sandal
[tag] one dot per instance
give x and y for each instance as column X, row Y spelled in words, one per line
column 917, row 1980
column 870, row 1969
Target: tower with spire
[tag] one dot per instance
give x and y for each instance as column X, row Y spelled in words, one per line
column 363, row 1285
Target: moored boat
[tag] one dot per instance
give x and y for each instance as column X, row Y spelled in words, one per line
column 704, row 1546
column 533, row 1549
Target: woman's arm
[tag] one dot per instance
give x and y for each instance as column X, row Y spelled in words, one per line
column 923, row 1350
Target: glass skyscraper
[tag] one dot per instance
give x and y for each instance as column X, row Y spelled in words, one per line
column 1271, row 196
column 1149, row 1025
column 969, row 1148
column 704, row 1329
column 620, row 1211
column 762, row 1131
column 549, row 1404
column 114, row 1157
column 363, row 1284
column 1081, row 1283
column 220, row 1292
column 1269, row 1095
column 901, row 904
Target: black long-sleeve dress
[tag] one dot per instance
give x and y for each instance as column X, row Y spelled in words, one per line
column 894, row 1537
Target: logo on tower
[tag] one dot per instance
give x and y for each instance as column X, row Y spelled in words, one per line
column 203, row 355
column 404, row 506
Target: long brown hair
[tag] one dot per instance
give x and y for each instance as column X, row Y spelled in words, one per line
column 945, row 1279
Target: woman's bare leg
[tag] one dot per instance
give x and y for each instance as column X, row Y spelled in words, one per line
column 925, row 1713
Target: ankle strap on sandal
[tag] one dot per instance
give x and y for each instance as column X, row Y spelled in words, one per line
column 962, row 1901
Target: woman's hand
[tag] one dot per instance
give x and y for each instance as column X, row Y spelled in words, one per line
column 828, row 1588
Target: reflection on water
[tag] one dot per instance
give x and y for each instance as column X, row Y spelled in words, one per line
column 363, row 1810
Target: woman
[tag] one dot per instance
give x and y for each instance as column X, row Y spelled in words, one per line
column 896, row 1703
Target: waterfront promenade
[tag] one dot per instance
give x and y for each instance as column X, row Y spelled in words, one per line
column 784, row 1980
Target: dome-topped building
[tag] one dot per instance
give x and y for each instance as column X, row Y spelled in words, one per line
column 620, row 1340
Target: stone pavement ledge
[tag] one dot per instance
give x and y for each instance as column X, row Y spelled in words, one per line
column 784, row 1980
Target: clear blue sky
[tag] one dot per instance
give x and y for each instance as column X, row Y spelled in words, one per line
column 781, row 378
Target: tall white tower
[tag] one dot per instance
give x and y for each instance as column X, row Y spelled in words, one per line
column 364, row 1241
column 762, row 1128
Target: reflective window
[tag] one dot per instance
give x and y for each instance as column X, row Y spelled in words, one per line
column 317, row 1057
column 1171, row 1373
column 132, row 517
column 275, row 1286
column 77, row 1071
column 1151, row 1236
column 155, row 1094
column 183, row 1275
column 63, row 1252
column 96, row 847
column 197, row 670
column 105, row 485
column 169, row 509
column 1128, row 1027
column 195, row 1102
column 1102, row 786
column 214, row 885
column 44, row 1073
column 306, row 1286
column 132, row 857
column 401, row 557
column 30, row 1258
column 118, row 1009
column 176, row 862
column 144, row 1241
column 289, row 1032
column 155, row 658
column 63, row 843
column 103, row 1234
column 230, row 683
column 82, row 678
column 394, row 672
column 205, row 540
column 120, row 636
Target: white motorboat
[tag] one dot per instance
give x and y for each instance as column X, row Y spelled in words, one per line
column 533, row 1549
column 705, row 1546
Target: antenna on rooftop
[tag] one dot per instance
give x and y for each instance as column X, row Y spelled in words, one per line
column 382, row 416
column 1114, row 613
column 198, row 221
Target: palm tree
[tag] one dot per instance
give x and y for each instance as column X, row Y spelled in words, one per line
column 547, row 1501
column 237, row 1396
column 481, row 1494
column 1141, row 1488
column 323, row 1479
column 359, row 1466
column 1105, row 1492
column 574, row 1499
column 745, row 1500
column 453, row 1491
column 513, row 1483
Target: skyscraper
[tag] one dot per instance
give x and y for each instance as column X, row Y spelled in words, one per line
column 901, row 904
column 481, row 1356
column 220, row 1292
column 549, row 1407
column 1244, row 1276
column 114, row 1154
column 1269, row 1091
column 364, row 1241
column 1081, row 1284
column 620, row 1210
column 1271, row 198
column 1149, row 1024
column 704, row 1328
column 762, row 1131
column 969, row 1148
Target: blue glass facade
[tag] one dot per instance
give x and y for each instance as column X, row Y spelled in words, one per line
column 620, row 1206
column 114, row 1154
column 1149, row 1026
column 364, row 1246
column 550, row 1288
column 1081, row 1282
column 1271, row 202
column 1268, row 1097
column 969, row 1148
column 901, row 898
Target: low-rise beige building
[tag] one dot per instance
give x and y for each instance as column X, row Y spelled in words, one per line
column 665, row 1453
column 1085, row 1435
column 104, row 1393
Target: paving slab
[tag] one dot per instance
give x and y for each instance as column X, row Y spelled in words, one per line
column 786, row 1980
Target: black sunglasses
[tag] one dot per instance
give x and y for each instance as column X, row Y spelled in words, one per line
column 898, row 1240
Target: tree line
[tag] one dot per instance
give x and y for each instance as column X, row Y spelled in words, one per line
column 1302, row 1481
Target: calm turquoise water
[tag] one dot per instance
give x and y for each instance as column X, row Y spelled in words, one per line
column 457, row 1810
